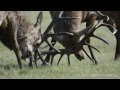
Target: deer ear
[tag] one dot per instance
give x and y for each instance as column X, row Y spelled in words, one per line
column 39, row 21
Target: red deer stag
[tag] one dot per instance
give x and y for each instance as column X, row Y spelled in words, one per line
column 70, row 23
column 19, row 34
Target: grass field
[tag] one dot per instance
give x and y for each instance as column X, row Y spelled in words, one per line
column 107, row 68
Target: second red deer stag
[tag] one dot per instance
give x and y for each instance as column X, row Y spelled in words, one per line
column 73, row 41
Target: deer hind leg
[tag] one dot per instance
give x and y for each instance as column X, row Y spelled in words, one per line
column 117, row 53
column 117, row 35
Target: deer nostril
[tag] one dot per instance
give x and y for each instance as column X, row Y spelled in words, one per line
column 28, row 53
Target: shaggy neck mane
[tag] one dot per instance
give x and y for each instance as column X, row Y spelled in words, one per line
column 23, row 24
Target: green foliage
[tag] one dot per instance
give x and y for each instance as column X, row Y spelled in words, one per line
column 107, row 68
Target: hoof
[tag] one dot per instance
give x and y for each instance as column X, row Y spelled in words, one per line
column 95, row 63
column 30, row 66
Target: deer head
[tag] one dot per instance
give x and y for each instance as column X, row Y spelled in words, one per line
column 30, row 41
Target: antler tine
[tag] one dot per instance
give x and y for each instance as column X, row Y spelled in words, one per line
column 109, row 26
column 99, row 13
column 41, row 48
column 40, row 56
column 60, row 14
column 99, row 24
column 89, row 33
column 53, row 52
column 88, row 55
column 100, row 39
column 92, row 47
column 68, row 55
column 49, row 28
column 60, row 59
column 112, row 28
column 94, row 61
column 51, row 46
column 91, row 30
column 107, row 18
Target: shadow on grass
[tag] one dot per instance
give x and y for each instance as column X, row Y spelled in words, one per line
column 12, row 66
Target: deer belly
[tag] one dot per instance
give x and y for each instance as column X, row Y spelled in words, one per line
column 64, row 40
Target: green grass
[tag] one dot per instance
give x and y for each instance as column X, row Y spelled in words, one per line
column 107, row 68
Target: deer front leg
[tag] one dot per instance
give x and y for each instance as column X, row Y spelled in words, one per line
column 92, row 54
column 47, row 59
column 91, row 21
column 31, row 59
column 117, row 52
column 52, row 58
column 13, row 30
column 17, row 51
column 68, row 56
column 35, row 59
